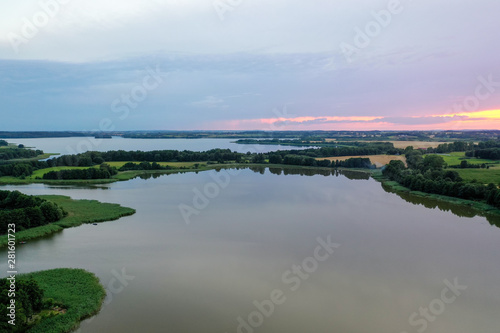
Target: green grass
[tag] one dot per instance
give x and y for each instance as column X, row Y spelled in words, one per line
column 79, row 212
column 9, row 180
column 79, row 292
column 456, row 158
column 483, row 176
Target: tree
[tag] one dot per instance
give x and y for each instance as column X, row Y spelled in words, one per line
column 433, row 162
column 275, row 159
column 29, row 301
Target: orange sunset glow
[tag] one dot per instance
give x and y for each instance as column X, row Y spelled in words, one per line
column 486, row 119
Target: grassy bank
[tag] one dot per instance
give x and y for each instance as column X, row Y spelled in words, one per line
column 479, row 208
column 77, row 292
column 79, row 212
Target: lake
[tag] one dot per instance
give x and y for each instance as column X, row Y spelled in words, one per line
column 262, row 251
column 74, row 145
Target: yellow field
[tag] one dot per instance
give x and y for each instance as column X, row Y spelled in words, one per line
column 378, row 160
column 416, row 144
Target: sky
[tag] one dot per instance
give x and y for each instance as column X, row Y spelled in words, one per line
column 249, row 65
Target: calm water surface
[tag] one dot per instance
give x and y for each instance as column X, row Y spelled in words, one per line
column 393, row 258
column 74, row 145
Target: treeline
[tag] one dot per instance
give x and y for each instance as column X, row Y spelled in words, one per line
column 150, row 166
column 275, row 158
column 376, row 148
column 24, row 169
column 427, row 175
column 96, row 158
column 3, row 143
column 90, row 173
column 12, row 153
column 293, row 157
column 319, row 141
column 485, row 149
column 451, row 147
column 35, row 135
column 26, row 211
column 488, row 153
column 488, row 144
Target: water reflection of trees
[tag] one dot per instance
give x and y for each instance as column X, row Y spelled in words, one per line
column 285, row 171
column 432, row 203
column 280, row 171
column 150, row 175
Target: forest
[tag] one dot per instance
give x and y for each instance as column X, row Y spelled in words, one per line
column 487, row 153
column 26, row 211
column 13, row 153
column 104, row 172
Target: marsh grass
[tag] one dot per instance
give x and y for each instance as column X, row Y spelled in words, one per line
column 78, row 291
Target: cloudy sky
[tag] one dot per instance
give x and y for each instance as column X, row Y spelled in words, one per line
column 249, row 64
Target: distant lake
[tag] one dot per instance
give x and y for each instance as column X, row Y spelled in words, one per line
column 74, row 145
column 250, row 235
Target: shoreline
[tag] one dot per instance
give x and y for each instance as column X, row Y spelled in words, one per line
column 79, row 212
column 479, row 208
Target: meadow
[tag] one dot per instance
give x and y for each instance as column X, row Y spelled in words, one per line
column 483, row 176
column 456, row 158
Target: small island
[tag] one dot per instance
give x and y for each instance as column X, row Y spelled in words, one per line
column 51, row 301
